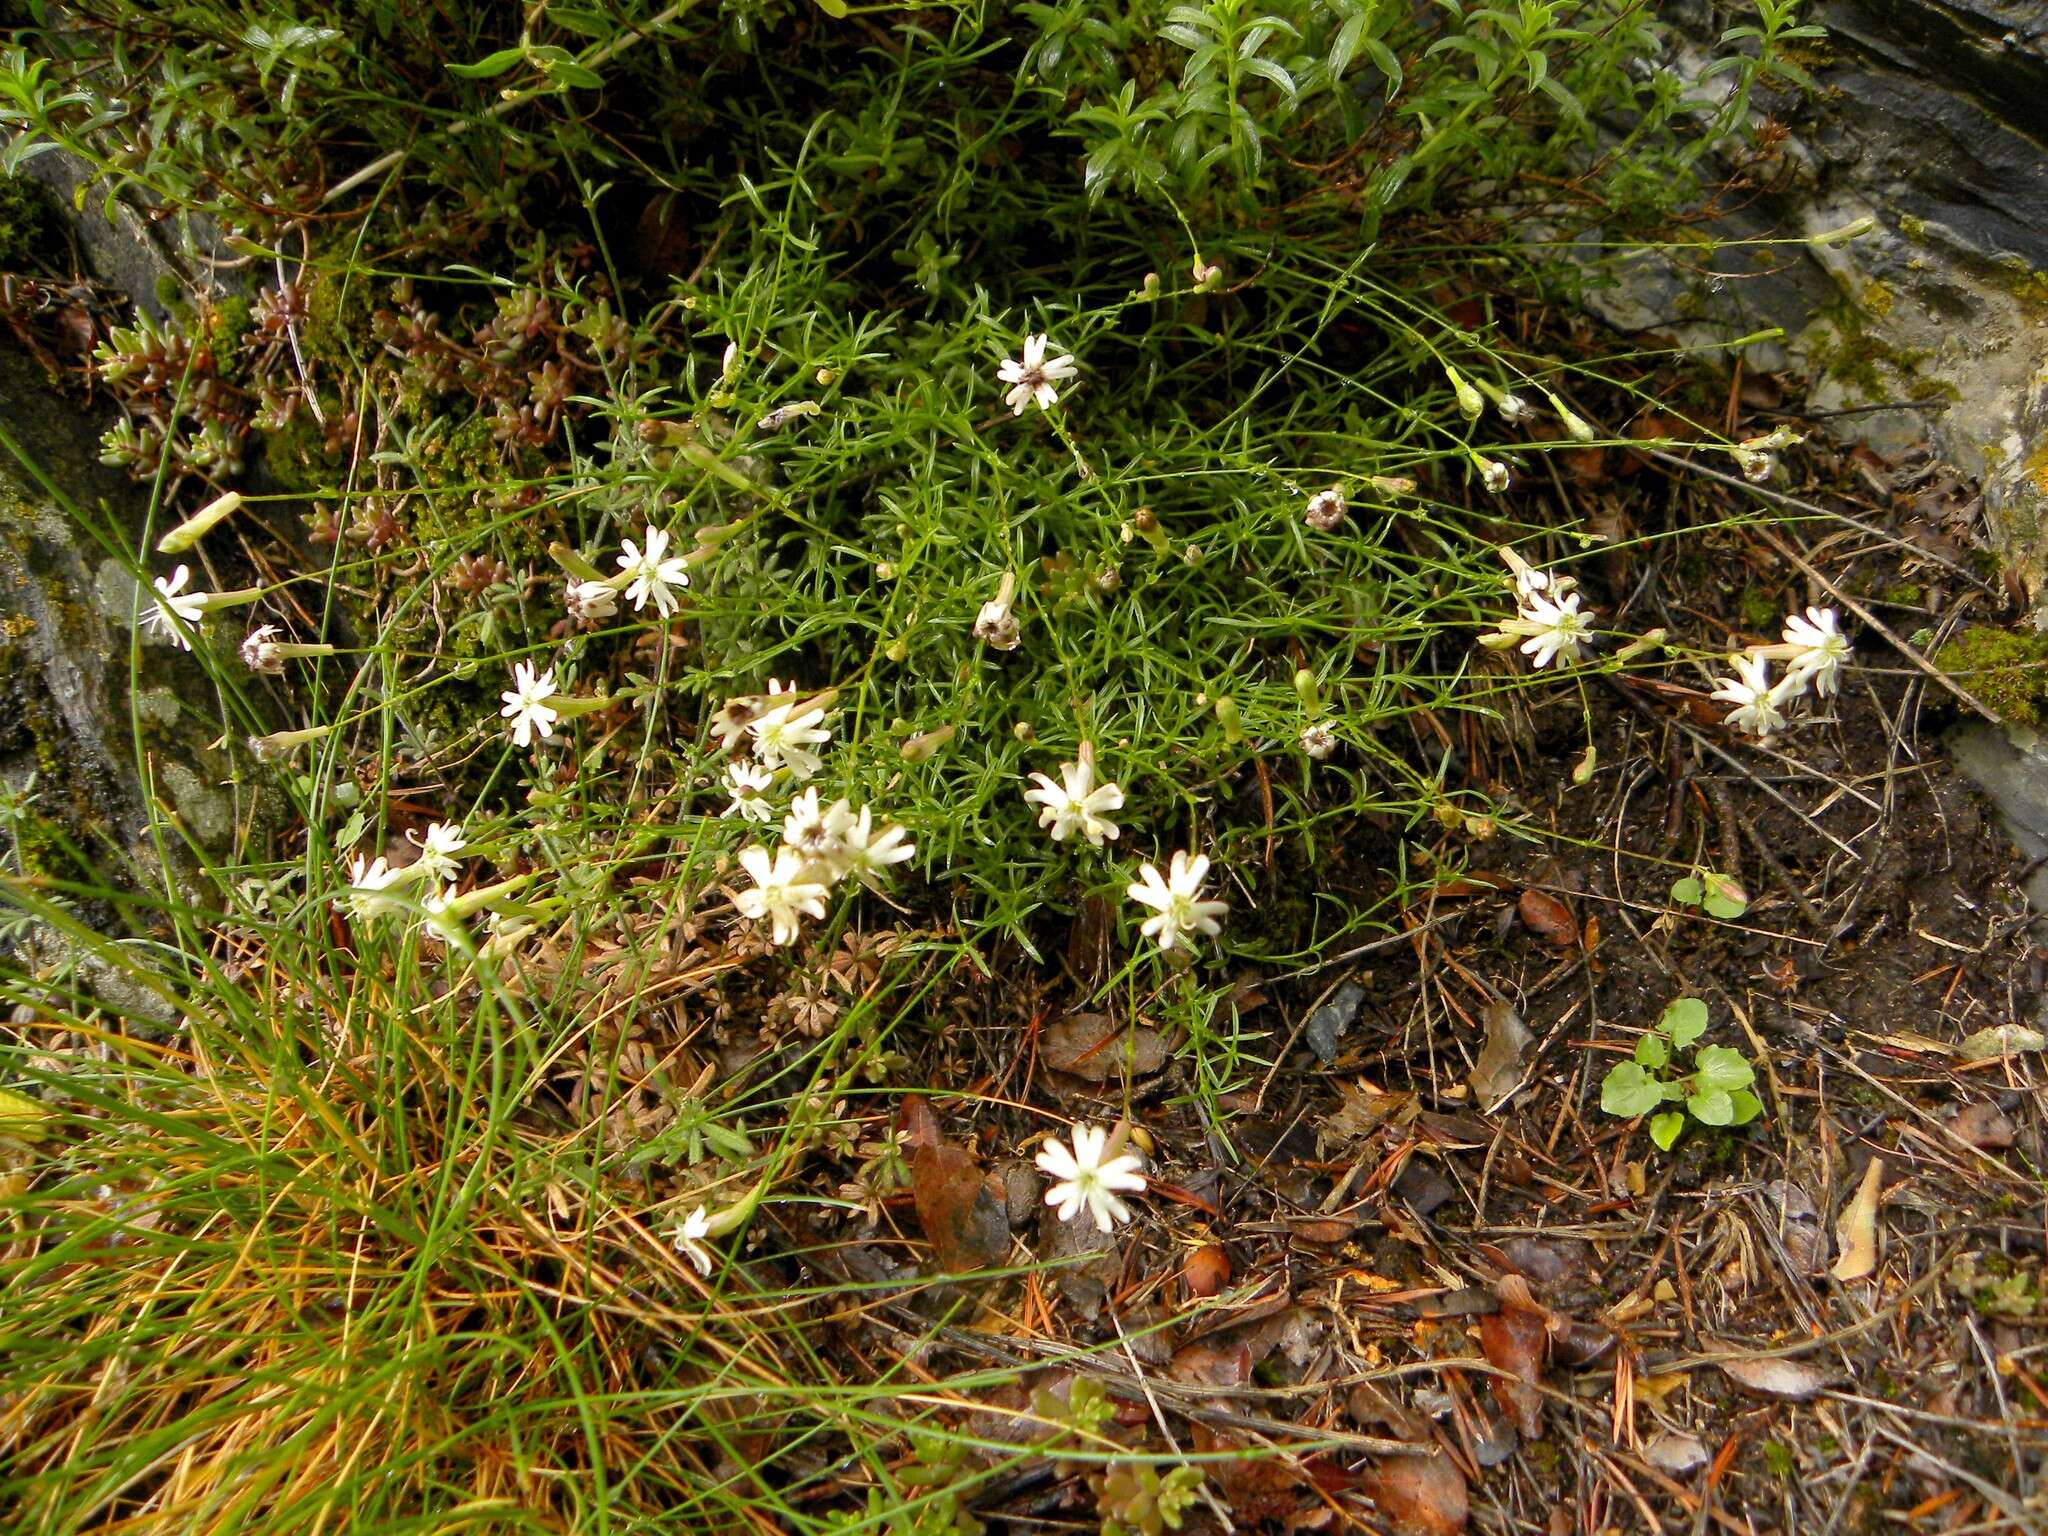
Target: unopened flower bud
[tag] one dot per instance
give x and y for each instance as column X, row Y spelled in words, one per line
column 1471, row 404
column 1231, row 719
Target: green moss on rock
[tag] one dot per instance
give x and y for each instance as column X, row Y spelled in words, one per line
column 2006, row 668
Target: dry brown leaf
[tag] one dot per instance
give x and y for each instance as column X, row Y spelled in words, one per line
column 1203, row 1365
column 1091, row 1047
column 1514, row 1340
column 1548, row 918
column 1793, row 1380
column 961, row 1208
column 1676, row 1454
column 1207, row 1271
column 1503, row 1059
column 1422, row 1495
column 1856, row 1231
column 1986, row 1127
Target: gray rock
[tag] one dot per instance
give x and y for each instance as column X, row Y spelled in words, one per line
column 99, row 729
column 1931, row 119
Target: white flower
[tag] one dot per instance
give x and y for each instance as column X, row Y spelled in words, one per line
column 368, row 879
column 1756, row 702
column 172, row 598
column 1087, row 1180
column 1077, row 802
column 1515, row 409
column 1553, row 629
column 749, row 785
column 526, row 704
column 1319, row 741
column 655, row 572
column 689, row 1240
column 1176, row 900
column 439, row 922
column 1755, row 463
column 1492, row 473
column 438, row 849
column 783, row 891
column 259, row 650
column 1325, row 509
column 784, row 736
column 815, row 831
column 1033, row 378
column 995, row 626
column 1818, row 649
column 867, row 854
column 729, row 724
column 587, row 602
column 1530, row 582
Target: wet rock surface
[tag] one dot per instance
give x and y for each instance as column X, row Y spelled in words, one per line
column 1930, row 119
column 93, row 728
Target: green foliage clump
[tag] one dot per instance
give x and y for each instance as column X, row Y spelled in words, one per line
column 1716, row 1090
column 2006, row 668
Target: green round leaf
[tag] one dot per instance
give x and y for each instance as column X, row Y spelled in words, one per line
column 1747, row 1106
column 1712, row 1108
column 1652, row 1052
column 1665, row 1128
column 1628, row 1091
column 1721, row 1070
column 1686, row 891
column 1684, row 1021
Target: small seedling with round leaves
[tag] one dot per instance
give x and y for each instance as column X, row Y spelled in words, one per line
column 1715, row 894
column 1715, row 1091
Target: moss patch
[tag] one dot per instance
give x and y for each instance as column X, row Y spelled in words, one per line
column 26, row 223
column 2006, row 668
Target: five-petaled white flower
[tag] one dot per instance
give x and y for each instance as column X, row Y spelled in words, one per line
column 867, row 854
column 1553, row 629
column 749, row 783
column 1176, row 900
column 1818, row 649
column 172, row 598
column 526, row 705
column 785, row 890
column 784, row 736
column 1319, row 741
column 814, row 830
column 1493, row 474
column 368, row 880
column 689, row 1240
column 589, row 602
column 259, row 650
column 438, row 848
column 1077, row 802
column 655, row 572
column 1514, row 408
column 1032, row 378
column 1087, row 1180
column 1757, row 704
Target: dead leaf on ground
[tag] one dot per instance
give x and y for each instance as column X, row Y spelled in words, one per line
column 1675, row 1454
column 962, row 1209
column 1361, row 1110
column 1799, row 1229
column 919, row 1126
column 1271, row 1493
column 1503, row 1059
column 1986, row 1127
column 1856, row 1231
column 1207, row 1271
column 1792, row 1380
column 1548, row 918
column 1514, row 1340
column 1422, row 1495
column 2001, row 1040
column 1092, row 1047
column 1204, row 1365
